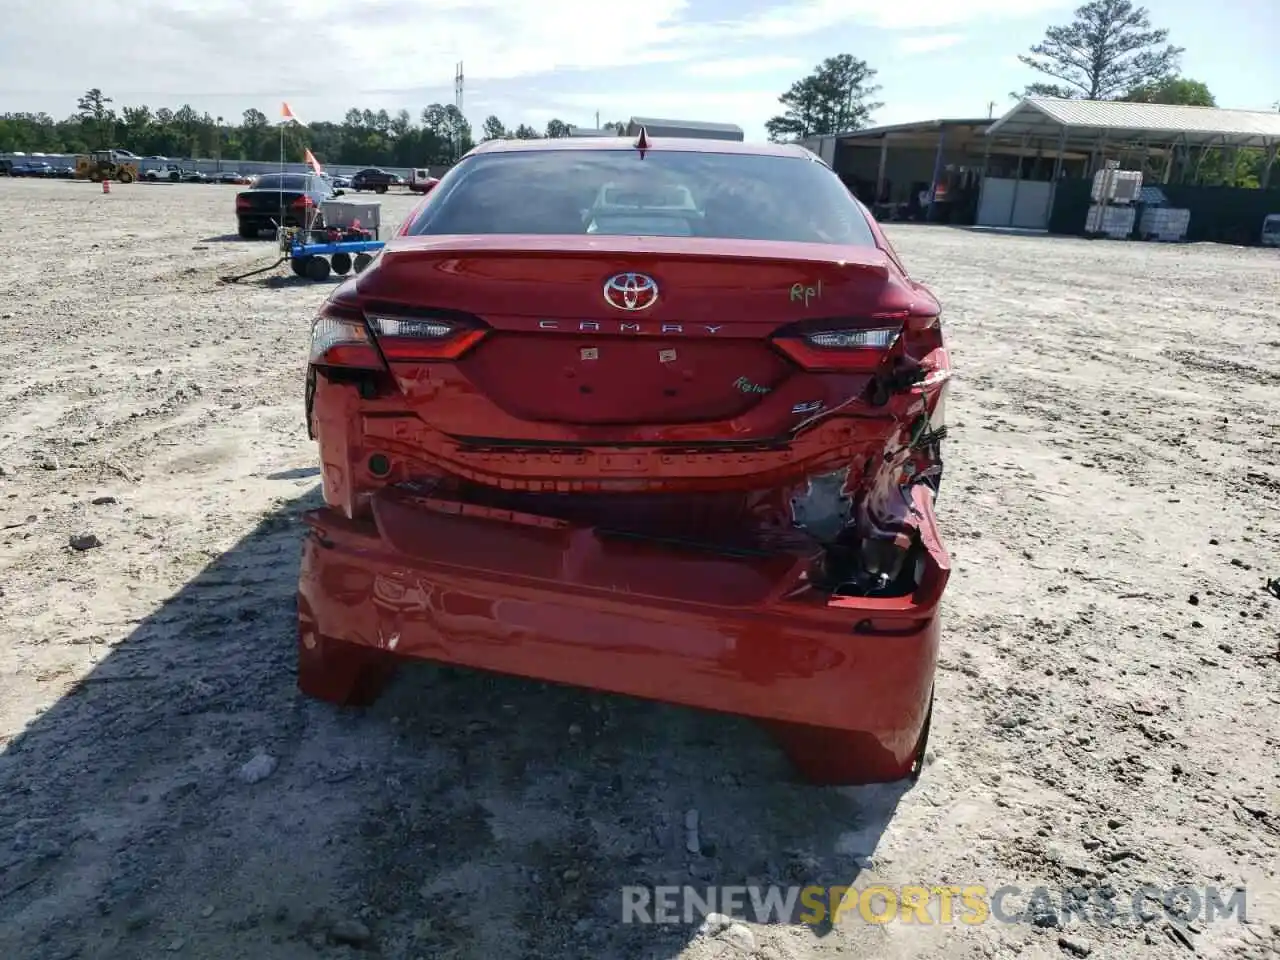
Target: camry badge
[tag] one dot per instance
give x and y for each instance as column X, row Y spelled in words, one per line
column 631, row 291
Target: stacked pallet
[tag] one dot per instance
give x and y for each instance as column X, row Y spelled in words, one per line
column 1115, row 222
column 1116, row 186
column 1166, row 224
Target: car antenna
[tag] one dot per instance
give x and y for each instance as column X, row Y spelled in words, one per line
column 642, row 142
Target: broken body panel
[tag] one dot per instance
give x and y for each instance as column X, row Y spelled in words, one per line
column 699, row 471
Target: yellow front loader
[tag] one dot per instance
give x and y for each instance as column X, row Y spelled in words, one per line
column 102, row 165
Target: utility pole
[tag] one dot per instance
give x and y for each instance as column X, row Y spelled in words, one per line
column 991, row 109
column 457, row 102
column 597, row 119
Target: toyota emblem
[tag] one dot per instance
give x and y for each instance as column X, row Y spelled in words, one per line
column 631, row 291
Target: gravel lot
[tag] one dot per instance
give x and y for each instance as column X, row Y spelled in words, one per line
column 1107, row 705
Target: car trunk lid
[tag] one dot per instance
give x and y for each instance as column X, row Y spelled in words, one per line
column 619, row 330
column 267, row 200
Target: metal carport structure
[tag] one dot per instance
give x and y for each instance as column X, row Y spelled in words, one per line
column 1119, row 129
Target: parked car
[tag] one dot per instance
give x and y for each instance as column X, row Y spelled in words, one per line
column 374, row 179
column 65, row 173
column 341, row 182
column 194, row 176
column 32, row 168
column 230, row 176
column 295, row 197
column 680, row 452
column 1271, row 230
column 163, row 171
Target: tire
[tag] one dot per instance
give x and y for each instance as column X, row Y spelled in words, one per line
column 174, row 178
column 343, row 674
column 317, row 269
column 917, row 767
column 248, row 231
column 126, row 176
column 299, row 265
column 341, row 263
column 381, row 188
column 362, row 260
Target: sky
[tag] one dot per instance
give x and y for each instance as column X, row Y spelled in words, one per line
column 528, row 61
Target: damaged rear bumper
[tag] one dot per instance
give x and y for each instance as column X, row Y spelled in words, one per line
column 540, row 598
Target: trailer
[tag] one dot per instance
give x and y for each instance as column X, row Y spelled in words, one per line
column 307, row 257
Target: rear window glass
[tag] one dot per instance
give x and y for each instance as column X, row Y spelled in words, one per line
column 278, row 181
column 661, row 194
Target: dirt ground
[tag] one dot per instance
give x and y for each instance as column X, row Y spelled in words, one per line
column 1107, row 710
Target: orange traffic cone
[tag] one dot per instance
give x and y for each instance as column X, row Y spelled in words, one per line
column 106, row 186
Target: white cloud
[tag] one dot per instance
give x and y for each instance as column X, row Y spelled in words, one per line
column 253, row 46
column 814, row 16
column 734, row 68
column 326, row 55
column 929, row 43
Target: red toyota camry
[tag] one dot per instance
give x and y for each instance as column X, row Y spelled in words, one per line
column 658, row 417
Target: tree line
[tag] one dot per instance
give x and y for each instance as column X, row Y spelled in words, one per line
column 438, row 135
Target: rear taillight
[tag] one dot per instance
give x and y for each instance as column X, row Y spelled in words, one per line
column 344, row 336
column 302, row 203
column 832, row 346
column 921, row 335
column 423, row 338
column 243, row 203
column 340, row 338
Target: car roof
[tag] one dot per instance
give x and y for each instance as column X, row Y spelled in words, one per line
column 680, row 144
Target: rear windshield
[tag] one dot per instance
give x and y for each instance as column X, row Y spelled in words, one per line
column 288, row 181
column 661, row 194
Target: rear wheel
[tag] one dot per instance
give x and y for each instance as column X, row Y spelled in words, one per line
column 126, row 176
column 917, row 767
column 341, row 263
column 317, row 269
column 382, row 188
column 362, row 260
column 830, row 757
column 343, row 674
column 299, row 265
column 247, row 231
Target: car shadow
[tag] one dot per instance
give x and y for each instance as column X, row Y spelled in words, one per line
column 232, row 238
column 298, row 473
column 183, row 799
column 997, row 231
column 294, row 281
